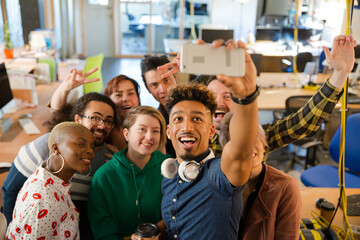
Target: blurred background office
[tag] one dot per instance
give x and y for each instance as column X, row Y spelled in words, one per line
column 132, row 28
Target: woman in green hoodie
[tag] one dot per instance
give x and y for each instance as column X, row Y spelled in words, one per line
column 126, row 191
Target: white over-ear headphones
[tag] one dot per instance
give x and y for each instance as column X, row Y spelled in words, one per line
column 187, row 170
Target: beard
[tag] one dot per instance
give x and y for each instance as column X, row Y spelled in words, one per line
column 187, row 156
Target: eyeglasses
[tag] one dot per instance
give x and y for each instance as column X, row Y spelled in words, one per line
column 97, row 121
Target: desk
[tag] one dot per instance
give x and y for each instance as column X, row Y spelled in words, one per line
column 310, row 195
column 173, row 46
column 274, row 98
column 13, row 139
column 274, row 52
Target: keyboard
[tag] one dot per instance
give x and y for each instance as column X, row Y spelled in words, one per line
column 28, row 126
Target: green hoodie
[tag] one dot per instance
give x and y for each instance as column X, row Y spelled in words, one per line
column 116, row 205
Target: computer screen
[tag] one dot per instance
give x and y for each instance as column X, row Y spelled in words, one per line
column 199, row 8
column 209, row 35
column 6, row 98
column 303, row 34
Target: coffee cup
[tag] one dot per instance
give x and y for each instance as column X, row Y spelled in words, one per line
column 327, row 210
column 148, row 231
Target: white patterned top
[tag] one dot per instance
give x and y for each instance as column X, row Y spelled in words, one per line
column 44, row 209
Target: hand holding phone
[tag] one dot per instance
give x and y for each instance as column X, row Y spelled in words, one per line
column 207, row 60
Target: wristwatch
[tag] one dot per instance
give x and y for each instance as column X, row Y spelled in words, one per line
column 249, row 99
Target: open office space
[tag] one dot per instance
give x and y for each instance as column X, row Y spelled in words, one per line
column 48, row 38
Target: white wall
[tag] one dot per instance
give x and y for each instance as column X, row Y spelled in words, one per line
column 234, row 14
column 355, row 24
column 99, row 32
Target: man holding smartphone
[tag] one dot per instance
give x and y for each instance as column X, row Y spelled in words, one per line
column 208, row 207
column 280, row 133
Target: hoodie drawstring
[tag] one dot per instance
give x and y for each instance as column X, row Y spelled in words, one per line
column 138, row 190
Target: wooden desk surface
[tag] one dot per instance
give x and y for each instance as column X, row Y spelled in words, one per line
column 310, row 195
column 14, row 138
column 277, row 87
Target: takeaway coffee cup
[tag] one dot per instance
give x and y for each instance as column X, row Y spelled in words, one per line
column 148, row 231
column 327, row 210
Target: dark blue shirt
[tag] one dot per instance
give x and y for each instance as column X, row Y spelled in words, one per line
column 207, row 208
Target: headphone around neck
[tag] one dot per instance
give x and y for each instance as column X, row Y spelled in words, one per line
column 187, row 170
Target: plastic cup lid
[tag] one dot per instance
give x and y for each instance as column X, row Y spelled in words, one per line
column 147, row 230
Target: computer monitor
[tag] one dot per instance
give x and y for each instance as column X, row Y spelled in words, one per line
column 7, row 101
column 209, row 35
column 304, row 34
column 199, row 8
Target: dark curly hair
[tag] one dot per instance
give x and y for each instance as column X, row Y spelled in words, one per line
column 68, row 112
column 149, row 63
column 191, row 92
column 112, row 85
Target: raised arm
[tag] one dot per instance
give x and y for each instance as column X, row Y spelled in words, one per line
column 309, row 118
column 71, row 81
column 236, row 159
column 341, row 58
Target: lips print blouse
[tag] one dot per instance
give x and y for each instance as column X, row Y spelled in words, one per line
column 44, row 210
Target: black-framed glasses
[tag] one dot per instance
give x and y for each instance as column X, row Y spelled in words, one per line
column 97, row 121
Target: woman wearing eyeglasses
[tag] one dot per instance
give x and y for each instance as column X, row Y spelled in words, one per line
column 126, row 191
column 44, row 209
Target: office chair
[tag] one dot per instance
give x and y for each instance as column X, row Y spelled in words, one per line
column 257, row 59
column 327, row 175
column 90, row 63
column 309, row 143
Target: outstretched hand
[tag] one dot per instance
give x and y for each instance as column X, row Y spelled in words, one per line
column 77, row 78
column 240, row 87
column 174, row 66
column 342, row 56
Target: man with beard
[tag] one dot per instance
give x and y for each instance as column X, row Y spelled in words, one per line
column 204, row 199
column 309, row 118
column 98, row 114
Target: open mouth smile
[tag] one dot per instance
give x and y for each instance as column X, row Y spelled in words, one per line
column 86, row 160
column 187, row 141
column 219, row 114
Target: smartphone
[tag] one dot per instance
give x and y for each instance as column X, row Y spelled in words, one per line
column 207, row 60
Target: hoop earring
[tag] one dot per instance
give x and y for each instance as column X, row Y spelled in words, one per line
column 89, row 171
column 48, row 163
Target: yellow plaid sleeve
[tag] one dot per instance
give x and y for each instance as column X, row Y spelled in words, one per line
column 305, row 121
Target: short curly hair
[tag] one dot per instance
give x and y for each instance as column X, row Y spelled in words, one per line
column 191, row 92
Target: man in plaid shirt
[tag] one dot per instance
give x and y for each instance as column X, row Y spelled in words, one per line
column 295, row 126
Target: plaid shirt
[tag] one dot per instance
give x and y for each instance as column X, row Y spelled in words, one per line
column 297, row 125
column 214, row 144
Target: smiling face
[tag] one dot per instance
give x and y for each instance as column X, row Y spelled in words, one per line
column 159, row 86
column 101, row 110
column 223, row 101
column 77, row 148
column 125, row 97
column 143, row 136
column 190, row 129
